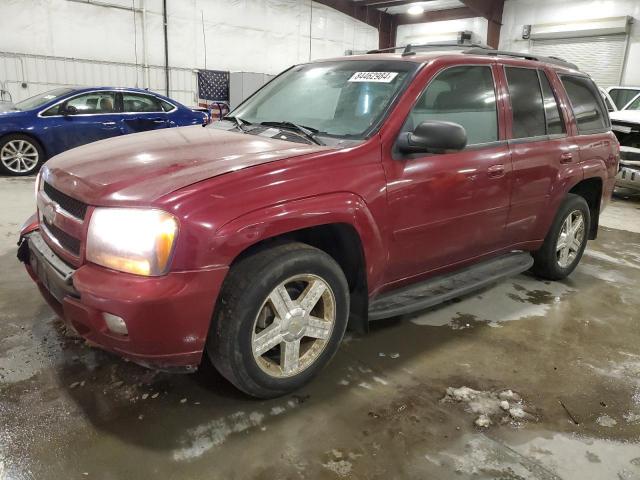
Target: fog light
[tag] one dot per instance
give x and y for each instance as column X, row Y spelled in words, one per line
column 115, row 323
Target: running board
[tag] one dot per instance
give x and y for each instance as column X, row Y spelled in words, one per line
column 440, row 289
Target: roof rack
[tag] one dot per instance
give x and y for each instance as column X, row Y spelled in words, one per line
column 410, row 49
column 480, row 50
column 477, row 49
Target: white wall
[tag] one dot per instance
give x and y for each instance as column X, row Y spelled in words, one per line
column 531, row 12
column 263, row 36
column 443, row 31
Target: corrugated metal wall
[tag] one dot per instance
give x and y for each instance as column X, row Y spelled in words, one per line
column 41, row 73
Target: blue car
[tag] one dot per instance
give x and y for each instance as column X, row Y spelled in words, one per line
column 44, row 125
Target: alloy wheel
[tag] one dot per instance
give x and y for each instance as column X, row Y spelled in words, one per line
column 293, row 325
column 19, row 156
column 570, row 238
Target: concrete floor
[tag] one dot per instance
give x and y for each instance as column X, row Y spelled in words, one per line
column 70, row 411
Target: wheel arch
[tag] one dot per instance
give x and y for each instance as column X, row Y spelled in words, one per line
column 27, row 134
column 591, row 190
column 339, row 224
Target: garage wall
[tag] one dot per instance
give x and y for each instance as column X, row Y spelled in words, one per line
column 49, row 43
column 444, row 31
column 526, row 12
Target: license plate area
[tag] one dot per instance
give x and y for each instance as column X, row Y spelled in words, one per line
column 55, row 275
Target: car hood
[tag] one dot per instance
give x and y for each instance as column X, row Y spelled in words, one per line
column 140, row 168
column 632, row 116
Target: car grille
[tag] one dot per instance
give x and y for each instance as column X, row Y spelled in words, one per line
column 68, row 204
column 66, row 241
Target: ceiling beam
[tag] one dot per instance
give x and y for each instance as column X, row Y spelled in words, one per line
column 385, row 23
column 492, row 11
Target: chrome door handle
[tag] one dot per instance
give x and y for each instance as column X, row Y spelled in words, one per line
column 566, row 157
column 108, row 124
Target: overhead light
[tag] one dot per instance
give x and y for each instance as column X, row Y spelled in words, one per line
column 415, row 10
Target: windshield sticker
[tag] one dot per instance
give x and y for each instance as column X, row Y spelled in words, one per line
column 377, row 77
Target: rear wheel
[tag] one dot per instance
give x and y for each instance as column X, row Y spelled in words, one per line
column 20, row 155
column 281, row 316
column 565, row 243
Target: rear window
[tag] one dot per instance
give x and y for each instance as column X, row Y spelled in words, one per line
column 586, row 104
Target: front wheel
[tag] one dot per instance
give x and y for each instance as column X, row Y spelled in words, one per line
column 280, row 318
column 20, row 155
column 565, row 243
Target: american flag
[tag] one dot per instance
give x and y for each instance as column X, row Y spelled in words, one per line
column 213, row 91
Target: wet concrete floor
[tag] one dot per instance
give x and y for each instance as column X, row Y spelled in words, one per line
column 570, row 350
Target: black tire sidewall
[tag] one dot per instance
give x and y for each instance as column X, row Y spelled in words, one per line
column 8, row 138
column 306, row 261
column 548, row 254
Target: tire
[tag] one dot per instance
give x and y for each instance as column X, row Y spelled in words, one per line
column 550, row 261
column 20, row 155
column 251, row 316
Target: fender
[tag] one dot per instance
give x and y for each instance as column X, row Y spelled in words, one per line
column 341, row 207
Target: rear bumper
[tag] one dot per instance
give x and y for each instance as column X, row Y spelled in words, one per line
column 167, row 318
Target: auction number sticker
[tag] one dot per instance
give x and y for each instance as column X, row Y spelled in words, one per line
column 377, row 77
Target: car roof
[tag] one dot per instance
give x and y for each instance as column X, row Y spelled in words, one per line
column 118, row 89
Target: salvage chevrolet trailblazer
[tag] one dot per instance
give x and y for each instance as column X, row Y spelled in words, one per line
column 342, row 192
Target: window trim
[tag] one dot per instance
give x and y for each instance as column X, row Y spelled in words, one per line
column 115, row 92
column 396, row 154
column 603, row 107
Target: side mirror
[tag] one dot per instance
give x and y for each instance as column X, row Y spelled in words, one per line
column 68, row 110
column 433, row 136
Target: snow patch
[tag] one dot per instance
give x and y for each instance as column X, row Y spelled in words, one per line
column 606, row 421
column 489, row 406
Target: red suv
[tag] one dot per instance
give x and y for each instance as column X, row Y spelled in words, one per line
column 344, row 191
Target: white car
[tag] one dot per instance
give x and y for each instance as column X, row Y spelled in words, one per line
column 626, row 125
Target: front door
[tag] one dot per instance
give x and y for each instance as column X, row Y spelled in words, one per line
column 451, row 207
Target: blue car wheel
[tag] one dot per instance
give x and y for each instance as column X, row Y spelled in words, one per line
column 20, row 155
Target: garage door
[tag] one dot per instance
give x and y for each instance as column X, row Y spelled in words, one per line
column 600, row 57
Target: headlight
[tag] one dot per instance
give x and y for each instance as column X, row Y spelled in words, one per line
column 132, row 240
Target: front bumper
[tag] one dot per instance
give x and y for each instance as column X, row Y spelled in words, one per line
column 629, row 171
column 167, row 318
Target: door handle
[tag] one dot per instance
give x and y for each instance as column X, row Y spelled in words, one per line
column 496, row 171
column 159, row 120
column 566, row 157
column 109, row 124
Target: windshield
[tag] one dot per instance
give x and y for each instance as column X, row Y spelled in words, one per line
column 42, row 98
column 343, row 99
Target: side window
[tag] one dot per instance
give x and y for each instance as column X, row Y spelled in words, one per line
column 93, row 103
column 586, row 104
column 622, row 96
column 464, row 95
column 55, row 110
column 555, row 123
column 166, row 106
column 526, row 102
column 137, row 102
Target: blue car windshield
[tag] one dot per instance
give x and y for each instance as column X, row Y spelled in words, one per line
column 40, row 99
column 340, row 98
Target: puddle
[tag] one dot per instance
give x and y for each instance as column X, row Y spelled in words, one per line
column 522, row 297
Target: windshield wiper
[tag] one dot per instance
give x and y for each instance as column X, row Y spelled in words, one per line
column 307, row 132
column 240, row 123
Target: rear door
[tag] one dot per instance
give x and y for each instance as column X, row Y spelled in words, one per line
column 450, row 207
column 142, row 112
column 543, row 154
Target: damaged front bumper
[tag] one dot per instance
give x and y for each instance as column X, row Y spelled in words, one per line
column 629, row 168
column 167, row 318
